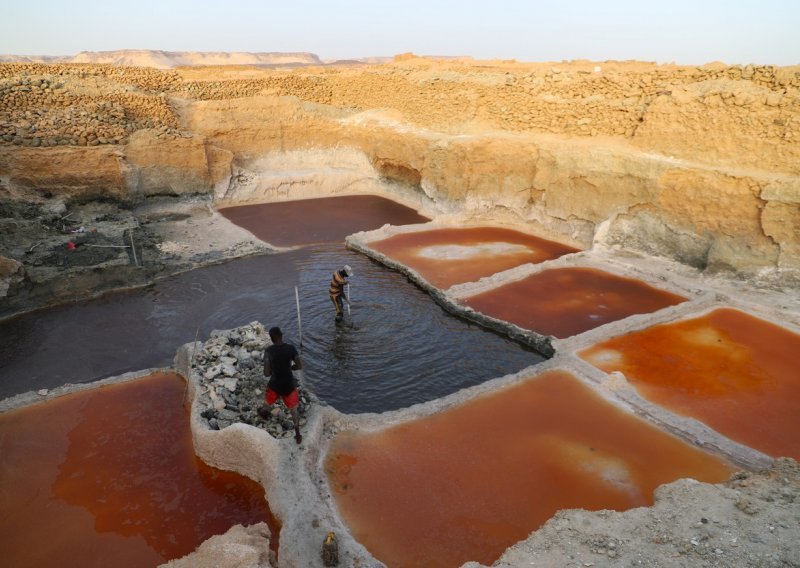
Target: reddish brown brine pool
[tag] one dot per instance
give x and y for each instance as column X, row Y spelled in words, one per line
column 108, row 477
column 305, row 221
column 453, row 256
column 566, row 301
column 467, row 483
column 736, row 373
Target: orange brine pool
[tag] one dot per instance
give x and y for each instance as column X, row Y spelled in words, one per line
column 566, row 301
column 327, row 219
column 736, row 373
column 108, row 477
column 466, row 484
column 453, row 256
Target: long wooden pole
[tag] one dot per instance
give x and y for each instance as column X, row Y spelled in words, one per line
column 191, row 361
column 133, row 248
column 299, row 324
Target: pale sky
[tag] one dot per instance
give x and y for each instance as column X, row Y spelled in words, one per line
column 680, row 31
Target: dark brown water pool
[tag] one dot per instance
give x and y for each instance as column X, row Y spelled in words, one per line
column 325, row 219
column 567, row 301
column 399, row 348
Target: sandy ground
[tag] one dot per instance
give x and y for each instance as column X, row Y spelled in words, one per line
column 170, row 235
column 194, row 233
column 752, row 521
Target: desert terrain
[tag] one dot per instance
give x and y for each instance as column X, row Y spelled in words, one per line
column 112, row 170
column 695, row 164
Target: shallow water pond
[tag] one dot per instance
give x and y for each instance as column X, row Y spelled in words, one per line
column 398, row 348
column 108, row 477
column 466, row 483
column 734, row 372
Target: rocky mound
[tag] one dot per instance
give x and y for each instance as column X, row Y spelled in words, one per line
column 645, row 102
column 40, row 110
column 167, row 59
column 231, row 364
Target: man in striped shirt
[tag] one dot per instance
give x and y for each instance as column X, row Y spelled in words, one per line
column 336, row 290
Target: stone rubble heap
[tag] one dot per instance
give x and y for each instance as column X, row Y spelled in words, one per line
column 232, row 382
column 51, row 109
column 145, row 79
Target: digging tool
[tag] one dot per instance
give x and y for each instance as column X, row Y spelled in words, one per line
column 191, row 362
column 347, row 297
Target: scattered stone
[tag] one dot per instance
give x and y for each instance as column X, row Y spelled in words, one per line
column 229, row 384
column 212, row 372
column 228, row 415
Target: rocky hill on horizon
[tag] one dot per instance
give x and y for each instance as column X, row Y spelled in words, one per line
column 160, row 59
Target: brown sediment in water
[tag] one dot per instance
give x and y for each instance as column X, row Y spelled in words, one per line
column 567, row 301
column 445, row 257
column 465, row 484
column 734, row 372
column 304, row 221
column 109, row 477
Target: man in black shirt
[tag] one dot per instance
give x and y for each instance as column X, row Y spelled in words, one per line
column 280, row 359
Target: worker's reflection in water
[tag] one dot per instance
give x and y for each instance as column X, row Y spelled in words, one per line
column 343, row 346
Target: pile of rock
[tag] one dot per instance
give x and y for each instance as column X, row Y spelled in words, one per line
column 656, row 105
column 42, row 110
column 224, row 90
column 232, row 382
column 143, row 78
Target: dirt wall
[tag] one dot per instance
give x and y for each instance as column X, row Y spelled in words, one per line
column 698, row 164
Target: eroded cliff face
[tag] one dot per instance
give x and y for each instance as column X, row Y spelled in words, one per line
column 701, row 164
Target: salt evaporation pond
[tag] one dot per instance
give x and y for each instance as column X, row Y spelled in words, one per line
column 567, row 301
column 401, row 348
column 466, row 483
column 734, row 372
column 108, row 477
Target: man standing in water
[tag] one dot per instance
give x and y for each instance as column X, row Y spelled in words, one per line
column 280, row 359
column 336, row 290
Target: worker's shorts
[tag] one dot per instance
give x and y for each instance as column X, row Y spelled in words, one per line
column 338, row 304
column 290, row 400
